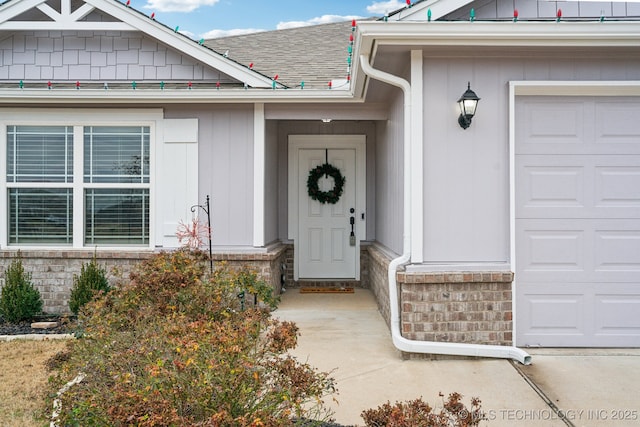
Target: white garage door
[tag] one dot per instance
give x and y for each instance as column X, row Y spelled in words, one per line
column 577, row 164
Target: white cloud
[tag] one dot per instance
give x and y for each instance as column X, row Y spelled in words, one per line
column 215, row 34
column 384, row 7
column 178, row 5
column 324, row 19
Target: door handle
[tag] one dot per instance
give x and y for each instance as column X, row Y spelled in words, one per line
column 352, row 237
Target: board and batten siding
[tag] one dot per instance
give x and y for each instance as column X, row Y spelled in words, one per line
column 466, row 178
column 272, row 190
column 389, row 176
column 225, row 163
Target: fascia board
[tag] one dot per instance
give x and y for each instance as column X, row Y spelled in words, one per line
column 62, row 26
column 551, row 34
column 170, row 96
column 181, row 43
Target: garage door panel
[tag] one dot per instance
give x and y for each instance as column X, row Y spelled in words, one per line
column 546, row 313
column 604, row 186
column 579, row 250
column 578, row 315
column 619, row 186
column 549, row 186
column 550, row 127
column 617, row 124
column 617, row 314
column 556, row 125
column 550, row 251
column 618, row 251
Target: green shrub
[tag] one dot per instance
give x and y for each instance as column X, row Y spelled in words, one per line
column 418, row 413
column 91, row 280
column 173, row 347
column 19, row 300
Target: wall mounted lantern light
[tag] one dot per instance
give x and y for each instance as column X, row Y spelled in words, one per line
column 468, row 103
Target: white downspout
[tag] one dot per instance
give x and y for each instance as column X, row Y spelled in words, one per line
column 400, row 342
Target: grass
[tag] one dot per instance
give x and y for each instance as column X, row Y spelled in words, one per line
column 23, row 378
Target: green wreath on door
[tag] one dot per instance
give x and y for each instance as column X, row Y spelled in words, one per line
column 332, row 196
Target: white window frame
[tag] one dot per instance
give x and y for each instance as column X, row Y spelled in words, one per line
column 79, row 118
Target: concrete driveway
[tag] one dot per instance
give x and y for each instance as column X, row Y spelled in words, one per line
column 345, row 333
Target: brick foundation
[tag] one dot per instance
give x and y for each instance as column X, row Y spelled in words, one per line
column 462, row 307
column 457, row 307
column 52, row 271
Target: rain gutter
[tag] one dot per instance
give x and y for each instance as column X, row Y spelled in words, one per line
column 400, row 342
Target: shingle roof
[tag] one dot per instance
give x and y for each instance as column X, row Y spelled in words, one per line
column 314, row 55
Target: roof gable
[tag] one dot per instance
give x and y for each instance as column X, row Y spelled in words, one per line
column 111, row 15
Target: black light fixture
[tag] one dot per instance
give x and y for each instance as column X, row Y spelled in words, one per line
column 468, row 103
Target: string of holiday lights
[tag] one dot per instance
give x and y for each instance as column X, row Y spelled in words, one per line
column 218, row 85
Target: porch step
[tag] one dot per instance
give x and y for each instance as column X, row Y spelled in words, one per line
column 326, row 286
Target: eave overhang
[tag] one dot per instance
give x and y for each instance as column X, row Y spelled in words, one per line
column 372, row 35
column 171, row 96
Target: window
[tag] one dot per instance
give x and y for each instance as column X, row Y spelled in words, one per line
column 113, row 189
column 116, row 157
column 40, row 177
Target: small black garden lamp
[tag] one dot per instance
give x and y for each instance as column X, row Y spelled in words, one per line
column 468, row 103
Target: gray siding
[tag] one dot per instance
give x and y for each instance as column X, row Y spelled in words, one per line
column 271, row 193
column 98, row 56
column 467, row 171
column 530, row 9
column 389, row 176
column 225, row 168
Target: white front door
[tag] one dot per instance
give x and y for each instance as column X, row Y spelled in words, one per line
column 324, row 245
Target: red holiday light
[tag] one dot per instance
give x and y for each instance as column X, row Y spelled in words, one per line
column 515, row 13
column 218, row 85
column 351, row 37
column 353, row 23
column 275, row 77
column 559, row 15
column 153, row 15
column 78, row 85
column 408, row 2
column 189, row 85
column 128, row 2
column 49, row 84
column 251, row 65
column 330, row 85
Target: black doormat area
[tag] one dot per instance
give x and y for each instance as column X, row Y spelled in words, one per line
column 330, row 290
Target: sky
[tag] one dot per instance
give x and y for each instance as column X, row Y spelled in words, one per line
column 218, row 18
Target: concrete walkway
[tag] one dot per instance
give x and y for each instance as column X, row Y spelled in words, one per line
column 344, row 333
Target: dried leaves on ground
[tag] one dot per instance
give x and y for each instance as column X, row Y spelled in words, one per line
column 23, row 380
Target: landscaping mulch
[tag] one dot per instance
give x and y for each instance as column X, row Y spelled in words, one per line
column 65, row 326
